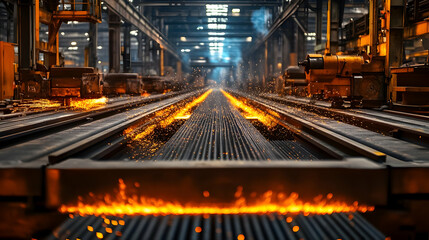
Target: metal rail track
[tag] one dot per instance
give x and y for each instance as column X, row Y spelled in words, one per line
column 60, row 145
column 409, row 127
column 217, row 131
column 356, row 139
column 222, row 227
column 18, row 129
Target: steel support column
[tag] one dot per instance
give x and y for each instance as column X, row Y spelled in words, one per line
column 126, row 55
column 373, row 26
column 319, row 21
column 161, row 61
column 333, row 25
column 26, row 35
column 114, row 42
column 92, row 45
column 394, row 39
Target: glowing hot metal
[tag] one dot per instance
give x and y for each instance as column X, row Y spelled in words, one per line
column 268, row 203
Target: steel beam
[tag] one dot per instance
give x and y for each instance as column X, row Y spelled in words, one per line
column 130, row 14
column 126, row 55
column 114, row 42
column 26, row 36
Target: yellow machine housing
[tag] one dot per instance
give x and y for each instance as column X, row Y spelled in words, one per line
column 338, row 77
column 330, row 75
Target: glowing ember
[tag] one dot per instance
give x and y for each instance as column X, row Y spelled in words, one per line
column 183, row 113
column 250, row 112
column 268, row 203
column 86, row 104
column 43, row 103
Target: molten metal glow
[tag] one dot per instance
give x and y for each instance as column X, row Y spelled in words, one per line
column 86, row 104
column 43, row 103
column 268, row 203
column 183, row 113
column 250, row 112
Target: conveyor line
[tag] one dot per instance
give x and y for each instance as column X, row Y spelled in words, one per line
column 391, row 146
column 216, row 130
column 228, row 227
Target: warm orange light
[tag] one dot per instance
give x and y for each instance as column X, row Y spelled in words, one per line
column 109, row 230
column 90, row 228
column 198, row 229
column 107, row 221
column 86, row 104
column 267, row 203
column 240, row 237
column 295, row 228
column 114, row 222
column 183, row 113
column 250, row 112
column 42, row 103
column 289, row 219
column 99, row 235
column 121, row 222
column 206, row 194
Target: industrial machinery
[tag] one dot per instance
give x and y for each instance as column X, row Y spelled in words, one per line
column 412, row 87
column 345, row 77
column 295, row 82
column 68, row 82
column 122, row 83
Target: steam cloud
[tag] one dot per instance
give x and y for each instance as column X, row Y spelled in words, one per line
column 259, row 20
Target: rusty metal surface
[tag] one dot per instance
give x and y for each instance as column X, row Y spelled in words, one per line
column 352, row 179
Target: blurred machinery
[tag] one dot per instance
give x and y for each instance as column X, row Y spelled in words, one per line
column 345, row 77
column 69, row 82
column 122, row 83
column 35, row 70
column 295, row 82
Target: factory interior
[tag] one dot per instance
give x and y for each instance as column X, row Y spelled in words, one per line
column 216, row 119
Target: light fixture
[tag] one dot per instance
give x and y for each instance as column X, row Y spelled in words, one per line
column 183, row 39
column 73, row 43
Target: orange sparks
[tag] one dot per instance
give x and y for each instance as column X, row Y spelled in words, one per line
column 43, row 103
column 289, row 219
column 206, row 194
column 295, row 228
column 86, row 104
column 183, row 113
column 90, row 228
column 109, row 230
column 240, row 237
column 267, row 203
column 198, row 229
column 250, row 112
column 99, row 235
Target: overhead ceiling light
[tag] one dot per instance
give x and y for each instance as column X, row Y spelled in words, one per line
column 197, row 47
column 216, row 38
column 185, row 50
column 216, row 33
column 100, row 47
column 183, row 39
column 73, row 43
column 202, row 44
column 236, row 12
column 248, row 39
column 200, row 28
column 217, row 26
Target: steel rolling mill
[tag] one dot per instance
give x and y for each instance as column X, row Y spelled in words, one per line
column 220, row 119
